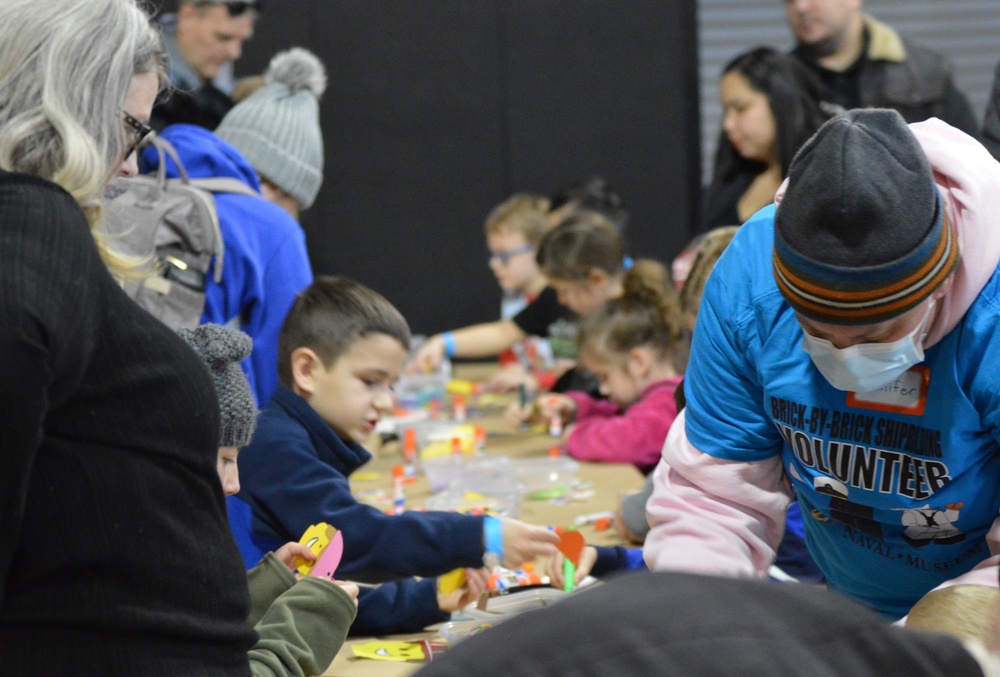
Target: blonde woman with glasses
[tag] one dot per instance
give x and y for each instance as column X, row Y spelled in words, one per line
column 115, row 554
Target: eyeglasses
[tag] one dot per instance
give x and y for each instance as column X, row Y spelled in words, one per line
column 139, row 133
column 236, row 7
column 505, row 255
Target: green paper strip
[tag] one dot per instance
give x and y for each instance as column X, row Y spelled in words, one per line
column 569, row 575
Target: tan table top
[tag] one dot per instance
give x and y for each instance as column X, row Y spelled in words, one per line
column 606, row 480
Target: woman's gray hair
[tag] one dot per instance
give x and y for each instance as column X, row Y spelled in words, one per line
column 65, row 69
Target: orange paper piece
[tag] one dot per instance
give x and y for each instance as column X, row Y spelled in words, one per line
column 571, row 545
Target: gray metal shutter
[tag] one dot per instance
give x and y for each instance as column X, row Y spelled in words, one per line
column 967, row 31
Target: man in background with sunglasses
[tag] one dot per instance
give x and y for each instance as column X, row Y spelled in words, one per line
column 203, row 39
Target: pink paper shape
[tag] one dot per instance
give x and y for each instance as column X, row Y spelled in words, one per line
column 328, row 562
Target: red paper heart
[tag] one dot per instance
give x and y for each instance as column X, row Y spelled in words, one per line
column 571, row 545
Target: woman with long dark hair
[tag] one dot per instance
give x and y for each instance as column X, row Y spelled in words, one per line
column 772, row 105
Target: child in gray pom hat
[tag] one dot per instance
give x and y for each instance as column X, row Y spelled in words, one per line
column 301, row 624
column 277, row 129
column 272, row 144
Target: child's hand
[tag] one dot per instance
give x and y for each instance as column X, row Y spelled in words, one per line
column 561, row 366
column 475, row 583
column 552, row 404
column 290, row 552
column 554, row 567
column 523, row 542
column 518, row 415
column 509, row 378
column 347, row 586
column 350, row 588
column 620, row 527
column 428, row 356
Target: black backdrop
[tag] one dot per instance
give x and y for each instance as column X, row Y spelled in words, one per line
column 436, row 110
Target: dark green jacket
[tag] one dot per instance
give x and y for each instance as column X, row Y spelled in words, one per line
column 301, row 624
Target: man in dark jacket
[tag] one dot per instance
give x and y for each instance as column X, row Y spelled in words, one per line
column 202, row 39
column 991, row 121
column 866, row 64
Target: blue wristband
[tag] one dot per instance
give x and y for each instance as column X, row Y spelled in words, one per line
column 493, row 536
column 449, row 343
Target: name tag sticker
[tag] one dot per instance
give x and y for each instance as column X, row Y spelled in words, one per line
column 905, row 395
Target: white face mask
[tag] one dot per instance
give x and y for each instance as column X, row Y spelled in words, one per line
column 865, row 367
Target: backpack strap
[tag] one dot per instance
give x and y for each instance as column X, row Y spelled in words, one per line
column 220, row 184
column 224, row 184
column 208, row 185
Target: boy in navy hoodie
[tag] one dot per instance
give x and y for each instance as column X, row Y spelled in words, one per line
column 341, row 349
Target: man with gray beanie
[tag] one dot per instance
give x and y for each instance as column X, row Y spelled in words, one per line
column 301, row 624
column 846, row 353
column 271, row 142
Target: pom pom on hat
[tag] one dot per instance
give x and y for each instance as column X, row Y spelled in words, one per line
column 861, row 235
column 277, row 127
column 297, row 69
column 222, row 350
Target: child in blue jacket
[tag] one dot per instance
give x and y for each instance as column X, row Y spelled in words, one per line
column 341, row 348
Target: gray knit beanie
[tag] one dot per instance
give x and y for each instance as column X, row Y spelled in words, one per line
column 860, row 236
column 277, row 127
column 222, row 349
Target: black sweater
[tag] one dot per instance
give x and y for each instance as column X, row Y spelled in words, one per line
column 115, row 554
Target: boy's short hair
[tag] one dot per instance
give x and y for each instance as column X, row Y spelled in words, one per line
column 522, row 213
column 329, row 316
column 965, row 611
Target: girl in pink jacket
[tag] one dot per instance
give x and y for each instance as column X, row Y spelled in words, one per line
column 637, row 347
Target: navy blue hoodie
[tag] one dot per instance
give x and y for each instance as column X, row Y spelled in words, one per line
column 294, row 473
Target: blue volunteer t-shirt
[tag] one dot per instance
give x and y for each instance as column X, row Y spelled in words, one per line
column 898, row 487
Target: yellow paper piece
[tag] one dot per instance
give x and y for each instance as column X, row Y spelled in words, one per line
column 366, row 476
column 435, row 450
column 316, row 538
column 460, row 386
column 494, row 399
column 451, row 581
column 390, row 651
column 441, row 445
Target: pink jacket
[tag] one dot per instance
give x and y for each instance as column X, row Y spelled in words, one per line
column 607, row 434
column 726, row 518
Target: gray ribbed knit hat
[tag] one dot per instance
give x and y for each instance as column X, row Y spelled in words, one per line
column 277, row 128
column 222, row 349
